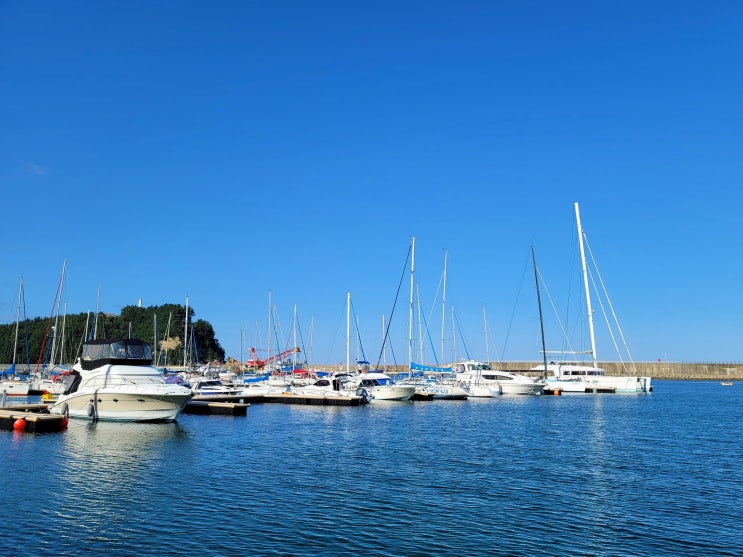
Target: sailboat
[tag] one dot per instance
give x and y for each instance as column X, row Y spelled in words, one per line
column 10, row 385
column 430, row 380
column 577, row 377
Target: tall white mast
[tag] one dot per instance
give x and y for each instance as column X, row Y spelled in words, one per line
column 410, row 318
column 487, row 345
column 185, row 337
column 348, row 331
column 268, row 348
column 62, row 336
column 97, row 309
column 56, row 318
column 443, row 311
column 17, row 319
column 294, row 326
column 585, row 284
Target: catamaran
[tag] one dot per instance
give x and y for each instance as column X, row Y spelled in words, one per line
column 578, row 377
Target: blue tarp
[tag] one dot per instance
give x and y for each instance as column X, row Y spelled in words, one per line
column 421, row 367
column 9, row 371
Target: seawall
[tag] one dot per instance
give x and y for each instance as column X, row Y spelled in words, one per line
column 657, row 370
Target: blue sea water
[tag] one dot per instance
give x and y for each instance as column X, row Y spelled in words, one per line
column 575, row 475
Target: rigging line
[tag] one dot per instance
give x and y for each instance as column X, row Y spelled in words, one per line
column 461, row 334
column 301, row 338
column 491, row 342
column 394, row 304
column 25, row 333
column 49, row 322
column 337, row 328
column 541, row 320
column 515, row 304
column 358, row 332
column 566, row 338
column 435, row 298
column 606, row 320
column 608, row 300
column 428, row 335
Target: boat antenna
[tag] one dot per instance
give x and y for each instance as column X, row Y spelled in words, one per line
column 539, row 303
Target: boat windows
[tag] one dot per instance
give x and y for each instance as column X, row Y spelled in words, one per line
column 121, row 349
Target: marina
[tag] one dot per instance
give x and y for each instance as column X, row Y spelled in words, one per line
column 636, row 474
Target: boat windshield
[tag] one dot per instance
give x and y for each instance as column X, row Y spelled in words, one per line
column 120, row 350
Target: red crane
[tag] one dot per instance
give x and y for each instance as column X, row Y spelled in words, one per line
column 254, row 361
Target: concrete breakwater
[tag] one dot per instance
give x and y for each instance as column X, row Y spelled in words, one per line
column 660, row 370
column 656, row 370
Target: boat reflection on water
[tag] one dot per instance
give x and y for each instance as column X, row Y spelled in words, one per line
column 94, row 448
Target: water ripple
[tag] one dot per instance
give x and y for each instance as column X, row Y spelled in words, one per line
column 566, row 476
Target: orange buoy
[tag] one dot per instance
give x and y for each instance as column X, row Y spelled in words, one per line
column 557, row 392
column 19, row 424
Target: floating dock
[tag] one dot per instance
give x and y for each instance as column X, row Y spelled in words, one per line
column 31, row 418
column 203, row 407
column 288, row 397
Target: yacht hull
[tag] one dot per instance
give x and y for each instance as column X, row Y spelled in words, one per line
column 391, row 392
column 117, row 406
column 14, row 388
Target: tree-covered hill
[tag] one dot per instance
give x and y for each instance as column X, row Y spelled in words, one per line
column 162, row 326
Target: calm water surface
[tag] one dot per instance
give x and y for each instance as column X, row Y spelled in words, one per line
column 576, row 475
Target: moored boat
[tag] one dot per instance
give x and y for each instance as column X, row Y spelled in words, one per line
column 476, row 373
column 114, row 380
column 382, row 387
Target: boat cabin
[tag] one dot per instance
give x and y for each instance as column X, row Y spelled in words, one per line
column 133, row 352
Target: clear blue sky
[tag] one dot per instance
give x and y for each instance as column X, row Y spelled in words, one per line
column 222, row 150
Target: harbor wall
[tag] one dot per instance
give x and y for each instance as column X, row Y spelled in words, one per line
column 659, row 370
column 717, row 371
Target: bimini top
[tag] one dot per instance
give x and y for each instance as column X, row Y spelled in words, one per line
column 130, row 352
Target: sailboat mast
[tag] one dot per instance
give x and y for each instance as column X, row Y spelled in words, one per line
column 97, row 306
column 487, row 345
column 154, row 336
column 585, row 284
column 443, row 309
column 348, row 331
column 410, row 317
column 62, row 336
column 268, row 339
column 185, row 337
column 294, row 327
column 56, row 319
column 17, row 319
column 539, row 303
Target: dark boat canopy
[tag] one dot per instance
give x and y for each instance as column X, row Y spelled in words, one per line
column 115, row 351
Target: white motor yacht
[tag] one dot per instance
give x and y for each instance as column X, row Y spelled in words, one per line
column 213, row 388
column 472, row 372
column 114, row 380
column 382, row 387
